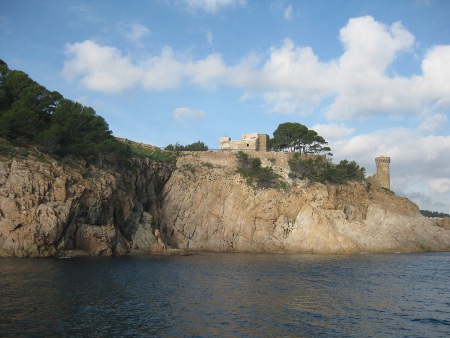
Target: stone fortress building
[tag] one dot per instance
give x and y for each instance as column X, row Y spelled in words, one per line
column 253, row 141
column 260, row 142
column 383, row 175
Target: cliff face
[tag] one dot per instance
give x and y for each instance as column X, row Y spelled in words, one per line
column 207, row 206
column 48, row 209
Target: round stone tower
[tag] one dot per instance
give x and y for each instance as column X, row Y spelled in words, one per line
column 383, row 171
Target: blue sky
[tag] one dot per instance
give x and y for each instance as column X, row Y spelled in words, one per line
column 372, row 77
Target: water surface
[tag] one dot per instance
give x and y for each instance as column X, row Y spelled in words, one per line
column 243, row 295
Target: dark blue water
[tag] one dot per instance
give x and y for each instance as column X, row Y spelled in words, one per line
column 244, row 295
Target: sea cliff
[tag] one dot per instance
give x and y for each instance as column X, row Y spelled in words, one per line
column 54, row 208
column 208, row 206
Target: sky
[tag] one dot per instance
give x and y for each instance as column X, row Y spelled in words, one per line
column 371, row 77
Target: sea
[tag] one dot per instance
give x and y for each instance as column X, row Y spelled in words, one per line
column 227, row 295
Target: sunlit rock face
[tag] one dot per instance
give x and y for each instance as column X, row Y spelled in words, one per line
column 210, row 207
column 49, row 208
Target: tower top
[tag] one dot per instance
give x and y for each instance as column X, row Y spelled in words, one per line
column 382, row 159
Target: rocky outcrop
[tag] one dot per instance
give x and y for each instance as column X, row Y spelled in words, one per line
column 49, row 208
column 442, row 222
column 207, row 206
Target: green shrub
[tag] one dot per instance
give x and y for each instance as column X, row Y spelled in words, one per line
column 196, row 146
column 256, row 175
column 428, row 213
column 208, row 165
column 320, row 170
column 188, row 167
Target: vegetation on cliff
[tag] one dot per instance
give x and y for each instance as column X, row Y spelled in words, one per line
column 31, row 116
column 320, row 170
column 255, row 174
column 297, row 138
column 428, row 213
column 196, row 146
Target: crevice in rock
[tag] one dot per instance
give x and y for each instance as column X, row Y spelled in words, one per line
column 71, row 219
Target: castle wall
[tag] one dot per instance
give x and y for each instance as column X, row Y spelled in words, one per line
column 228, row 158
column 263, row 142
column 251, row 141
column 244, row 145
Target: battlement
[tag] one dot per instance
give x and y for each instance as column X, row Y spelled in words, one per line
column 382, row 159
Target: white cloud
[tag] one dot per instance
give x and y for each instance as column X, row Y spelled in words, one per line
column 184, row 114
column 333, row 131
column 297, row 71
column 434, row 123
column 284, row 102
column 370, row 46
column 414, row 157
column 162, row 72
column 360, row 83
column 212, row 6
column 100, row 68
column 419, row 165
column 413, row 153
column 105, row 69
column 207, row 72
column 439, row 185
column 288, row 12
column 137, row 32
column 290, row 79
column 436, row 74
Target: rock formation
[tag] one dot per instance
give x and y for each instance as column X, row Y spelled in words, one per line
column 442, row 222
column 210, row 207
column 49, row 208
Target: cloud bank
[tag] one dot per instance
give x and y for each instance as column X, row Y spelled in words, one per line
column 291, row 79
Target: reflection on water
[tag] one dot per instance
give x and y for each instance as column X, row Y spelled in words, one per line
column 268, row 295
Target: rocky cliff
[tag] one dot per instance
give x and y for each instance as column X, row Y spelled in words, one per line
column 49, row 208
column 207, row 206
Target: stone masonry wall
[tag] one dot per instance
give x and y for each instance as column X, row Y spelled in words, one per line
column 383, row 175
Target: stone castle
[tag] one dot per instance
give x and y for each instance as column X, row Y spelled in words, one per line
column 260, row 142
column 253, row 141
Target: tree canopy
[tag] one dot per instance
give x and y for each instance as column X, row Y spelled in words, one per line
column 255, row 174
column 428, row 213
column 297, row 137
column 31, row 115
column 320, row 170
column 196, row 146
